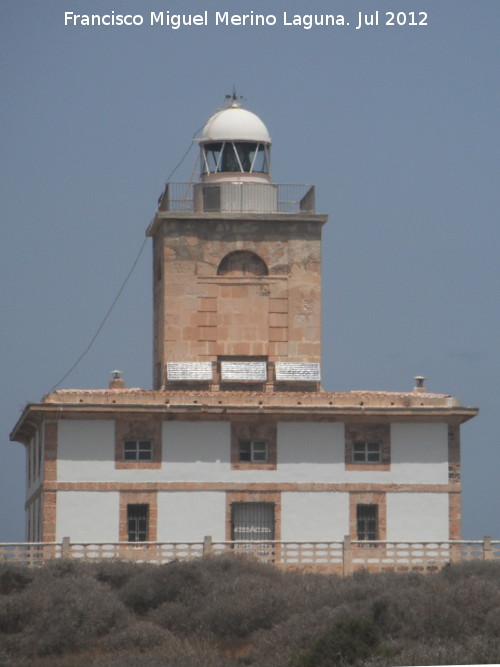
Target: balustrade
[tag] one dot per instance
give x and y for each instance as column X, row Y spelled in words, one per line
column 341, row 557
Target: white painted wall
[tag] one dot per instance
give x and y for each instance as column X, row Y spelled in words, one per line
column 315, row 452
column 417, row 516
column 88, row 516
column 189, row 516
column 200, row 451
column 92, row 516
column 310, row 451
column 419, row 453
column 85, row 450
column 196, row 451
column 314, row 517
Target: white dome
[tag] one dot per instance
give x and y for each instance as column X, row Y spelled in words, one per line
column 235, row 124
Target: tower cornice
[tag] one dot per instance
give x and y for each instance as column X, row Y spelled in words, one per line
column 263, row 218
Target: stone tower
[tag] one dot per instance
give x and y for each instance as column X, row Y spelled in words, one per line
column 237, row 262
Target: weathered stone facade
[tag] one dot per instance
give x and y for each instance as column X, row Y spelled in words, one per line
column 204, row 312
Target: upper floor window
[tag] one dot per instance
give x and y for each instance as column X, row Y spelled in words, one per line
column 367, row 446
column 367, row 452
column 137, row 450
column 138, row 443
column 255, row 451
column 254, row 445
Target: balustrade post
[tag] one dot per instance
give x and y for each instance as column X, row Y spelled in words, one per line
column 455, row 553
column 347, row 556
column 487, row 548
column 66, row 547
column 207, row 545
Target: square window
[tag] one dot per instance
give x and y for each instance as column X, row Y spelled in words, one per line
column 367, row 452
column 367, row 446
column 254, row 451
column 138, row 444
column 253, row 445
column 137, row 450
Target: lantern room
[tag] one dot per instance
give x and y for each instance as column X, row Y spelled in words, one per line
column 235, row 146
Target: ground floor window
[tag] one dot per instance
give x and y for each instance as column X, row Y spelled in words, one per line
column 367, row 522
column 252, row 521
column 137, row 523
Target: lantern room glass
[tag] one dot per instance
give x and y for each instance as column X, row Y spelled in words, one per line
column 235, row 156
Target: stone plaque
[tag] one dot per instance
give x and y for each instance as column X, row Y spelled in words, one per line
column 297, row 372
column 189, row 371
column 243, row 371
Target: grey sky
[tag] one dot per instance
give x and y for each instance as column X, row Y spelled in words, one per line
column 396, row 126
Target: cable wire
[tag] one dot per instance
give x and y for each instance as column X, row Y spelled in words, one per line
column 110, row 309
column 124, row 283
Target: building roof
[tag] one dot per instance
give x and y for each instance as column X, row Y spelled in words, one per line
column 368, row 406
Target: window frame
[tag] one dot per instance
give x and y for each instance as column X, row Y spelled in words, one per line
column 252, row 512
column 256, row 432
column 138, row 518
column 138, row 429
column 254, row 451
column 137, row 450
column 367, row 435
column 272, row 497
column 364, row 531
column 364, row 451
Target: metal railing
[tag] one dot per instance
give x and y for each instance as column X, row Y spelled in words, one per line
column 238, row 197
column 341, row 557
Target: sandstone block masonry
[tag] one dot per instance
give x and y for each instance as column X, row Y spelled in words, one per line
column 243, row 285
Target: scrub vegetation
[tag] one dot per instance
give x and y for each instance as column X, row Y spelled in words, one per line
column 235, row 612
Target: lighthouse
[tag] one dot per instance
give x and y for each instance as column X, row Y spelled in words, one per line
column 237, row 295
column 237, row 439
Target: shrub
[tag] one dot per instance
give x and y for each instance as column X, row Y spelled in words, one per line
column 346, row 642
column 14, row 578
column 60, row 615
column 278, row 645
column 15, row 611
column 137, row 636
column 240, row 613
column 153, row 585
column 229, row 611
column 115, row 573
column 177, row 617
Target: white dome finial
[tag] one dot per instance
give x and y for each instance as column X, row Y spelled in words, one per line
column 234, row 97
